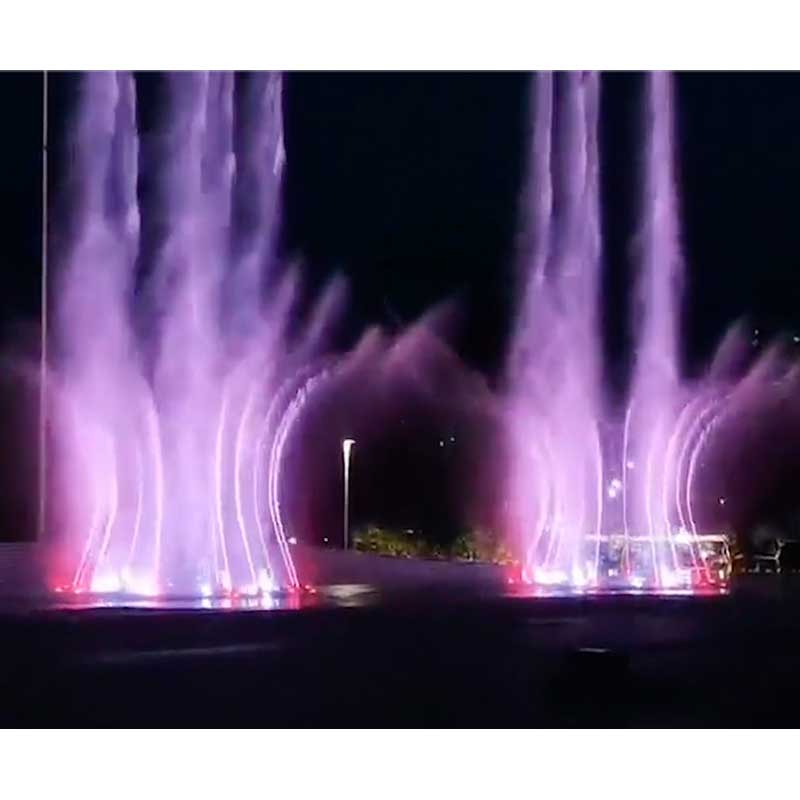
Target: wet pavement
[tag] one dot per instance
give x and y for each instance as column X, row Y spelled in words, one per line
column 357, row 654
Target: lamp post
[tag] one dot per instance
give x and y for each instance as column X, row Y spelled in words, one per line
column 347, row 446
column 41, row 524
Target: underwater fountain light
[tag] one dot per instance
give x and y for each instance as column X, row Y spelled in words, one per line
column 175, row 378
column 604, row 496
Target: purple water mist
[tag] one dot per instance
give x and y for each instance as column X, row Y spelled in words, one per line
column 175, row 379
column 602, row 496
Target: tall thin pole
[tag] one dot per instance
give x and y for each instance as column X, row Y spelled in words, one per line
column 42, row 515
column 347, row 446
column 346, row 523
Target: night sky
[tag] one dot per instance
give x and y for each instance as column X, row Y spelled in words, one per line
column 408, row 183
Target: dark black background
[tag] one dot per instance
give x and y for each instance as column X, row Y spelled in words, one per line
column 407, row 183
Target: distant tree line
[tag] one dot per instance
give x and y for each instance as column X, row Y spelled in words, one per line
column 477, row 545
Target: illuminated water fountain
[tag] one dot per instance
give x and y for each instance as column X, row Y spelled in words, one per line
column 603, row 497
column 175, row 380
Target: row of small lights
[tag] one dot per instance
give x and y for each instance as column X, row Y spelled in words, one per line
column 756, row 332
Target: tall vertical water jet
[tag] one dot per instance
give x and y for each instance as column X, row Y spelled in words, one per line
column 555, row 370
column 656, row 392
column 174, row 366
column 603, row 496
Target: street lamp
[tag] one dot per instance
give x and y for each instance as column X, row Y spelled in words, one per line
column 347, row 446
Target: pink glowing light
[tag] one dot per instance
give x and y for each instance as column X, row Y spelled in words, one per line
column 611, row 506
column 181, row 393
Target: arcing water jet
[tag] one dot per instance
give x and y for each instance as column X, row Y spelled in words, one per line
column 604, row 497
column 175, row 380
